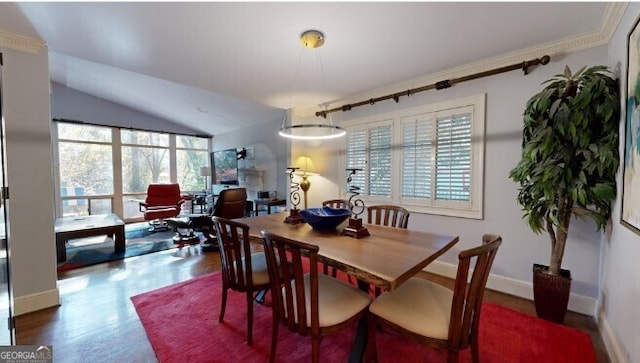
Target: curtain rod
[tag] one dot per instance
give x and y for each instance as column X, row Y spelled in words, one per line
column 70, row 121
column 440, row 85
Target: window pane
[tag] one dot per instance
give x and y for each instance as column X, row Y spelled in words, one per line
column 142, row 166
column 131, row 205
column 68, row 131
column 86, row 166
column 191, row 142
column 74, row 207
column 453, row 158
column 101, row 206
column 135, row 137
column 189, row 163
column 416, row 158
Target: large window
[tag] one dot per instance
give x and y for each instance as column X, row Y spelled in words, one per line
column 428, row 159
column 105, row 169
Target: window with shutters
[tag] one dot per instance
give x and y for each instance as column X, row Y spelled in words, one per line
column 428, row 159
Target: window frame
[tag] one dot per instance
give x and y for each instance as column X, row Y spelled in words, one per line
column 475, row 207
column 117, row 145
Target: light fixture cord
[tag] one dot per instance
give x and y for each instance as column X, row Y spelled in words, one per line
column 295, row 80
column 324, row 105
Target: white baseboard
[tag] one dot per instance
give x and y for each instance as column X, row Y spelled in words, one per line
column 577, row 303
column 610, row 341
column 34, row 302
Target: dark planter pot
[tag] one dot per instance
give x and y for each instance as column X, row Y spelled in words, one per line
column 551, row 293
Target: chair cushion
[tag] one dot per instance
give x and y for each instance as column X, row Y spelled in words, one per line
column 337, row 301
column 160, row 213
column 259, row 270
column 260, row 273
column 418, row 305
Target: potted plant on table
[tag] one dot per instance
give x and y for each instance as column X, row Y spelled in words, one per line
column 568, row 166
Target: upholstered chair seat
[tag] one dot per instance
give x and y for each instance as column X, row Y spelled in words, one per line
column 338, row 300
column 417, row 298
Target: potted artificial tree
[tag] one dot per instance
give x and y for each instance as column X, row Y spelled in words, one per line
column 569, row 161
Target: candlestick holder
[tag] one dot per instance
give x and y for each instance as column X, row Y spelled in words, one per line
column 355, row 229
column 294, row 216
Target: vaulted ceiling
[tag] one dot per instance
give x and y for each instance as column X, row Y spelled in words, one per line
column 219, row 66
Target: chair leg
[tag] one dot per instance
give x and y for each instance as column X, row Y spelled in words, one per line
column 371, row 353
column 274, row 338
column 315, row 349
column 452, row 356
column 249, row 317
column 224, row 304
column 475, row 353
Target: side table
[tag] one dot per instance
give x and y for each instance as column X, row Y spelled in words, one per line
column 268, row 203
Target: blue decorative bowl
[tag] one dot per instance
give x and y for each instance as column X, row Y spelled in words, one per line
column 325, row 219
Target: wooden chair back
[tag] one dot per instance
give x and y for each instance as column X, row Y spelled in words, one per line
column 295, row 296
column 336, row 203
column 388, row 215
column 288, row 300
column 468, row 294
column 235, row 253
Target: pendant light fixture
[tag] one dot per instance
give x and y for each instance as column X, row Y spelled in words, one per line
column 316, row 131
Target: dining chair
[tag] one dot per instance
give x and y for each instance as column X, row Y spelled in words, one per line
column 306, row 302
column 242, row 270
column 388, row 215
column 433, row 315
column 336, row 203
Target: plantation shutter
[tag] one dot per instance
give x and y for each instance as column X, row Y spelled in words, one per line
column 453, row 156
column 417, row 147
column 429, row 159
column 380, row 140
column 369, row 149
column 356, row 155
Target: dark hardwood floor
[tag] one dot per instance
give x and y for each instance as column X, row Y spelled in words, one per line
column 97, row 322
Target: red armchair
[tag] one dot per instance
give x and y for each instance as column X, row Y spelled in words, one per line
column 163, row 201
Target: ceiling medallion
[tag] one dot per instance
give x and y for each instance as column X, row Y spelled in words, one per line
column 312, row 39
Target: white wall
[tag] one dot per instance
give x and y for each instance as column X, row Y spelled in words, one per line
column 620, row 284
column 507, row 94
column 69, row 104
column 269, row 152
column 25, row 92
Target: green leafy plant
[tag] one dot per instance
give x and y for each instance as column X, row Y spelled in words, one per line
column 569, row 154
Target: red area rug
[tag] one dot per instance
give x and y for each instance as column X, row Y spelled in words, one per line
column 181, row 322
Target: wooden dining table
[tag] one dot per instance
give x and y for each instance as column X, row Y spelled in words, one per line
column 386, row 258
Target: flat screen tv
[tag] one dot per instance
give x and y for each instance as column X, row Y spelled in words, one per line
column 225, row 167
